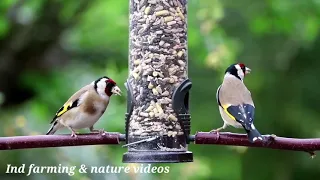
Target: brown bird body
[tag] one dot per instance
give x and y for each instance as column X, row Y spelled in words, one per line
column 84, row 108
column 93, row 106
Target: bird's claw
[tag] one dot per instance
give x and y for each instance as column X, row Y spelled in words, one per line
column 215, row 131
column 100, row 131
column 73, row 134
column 312, row 154
column 273, row 136
column 270, row 139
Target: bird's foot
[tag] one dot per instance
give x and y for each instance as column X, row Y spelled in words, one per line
column 312, row 154
column 216, row 131
column 73, row 134
column 100, row 131
column 273, row 136
column 270, row 139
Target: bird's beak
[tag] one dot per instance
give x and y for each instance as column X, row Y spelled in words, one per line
column 248, row 70
column 116, row 90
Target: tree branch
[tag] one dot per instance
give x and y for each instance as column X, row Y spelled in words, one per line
column 224, row 138
column 44, row 141
column 271, row 141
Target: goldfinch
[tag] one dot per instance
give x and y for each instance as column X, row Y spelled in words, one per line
column 84, row 108
column 235, row 103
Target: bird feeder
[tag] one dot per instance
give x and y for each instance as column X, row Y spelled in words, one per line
column 157, row 118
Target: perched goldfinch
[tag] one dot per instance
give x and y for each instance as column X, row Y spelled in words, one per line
column 84, row 108
column 235, row 103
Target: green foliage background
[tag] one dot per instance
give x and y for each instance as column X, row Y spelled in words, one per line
column 277, row 39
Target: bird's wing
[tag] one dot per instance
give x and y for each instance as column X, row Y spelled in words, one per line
column 243, row 114
column 73, row 101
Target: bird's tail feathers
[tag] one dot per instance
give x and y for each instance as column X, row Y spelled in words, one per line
column 54, row 127
column 253, row 135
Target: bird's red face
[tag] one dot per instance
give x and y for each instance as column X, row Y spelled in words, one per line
column 112, row 88
column 110, row 81
column 244, row 69
column 107, row 86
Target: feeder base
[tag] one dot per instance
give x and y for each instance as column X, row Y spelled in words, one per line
column 157, row 157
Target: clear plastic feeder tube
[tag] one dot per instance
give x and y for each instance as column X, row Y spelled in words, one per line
column 158, row 119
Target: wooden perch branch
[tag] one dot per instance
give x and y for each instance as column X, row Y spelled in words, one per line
column 44, row 141
column 224, row 138
column 271, row 141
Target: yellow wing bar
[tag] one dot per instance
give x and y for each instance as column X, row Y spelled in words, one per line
column 64, row 109
column 225, row 108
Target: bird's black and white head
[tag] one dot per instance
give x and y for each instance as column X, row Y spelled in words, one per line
column 106, row 87
column 238, row 70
